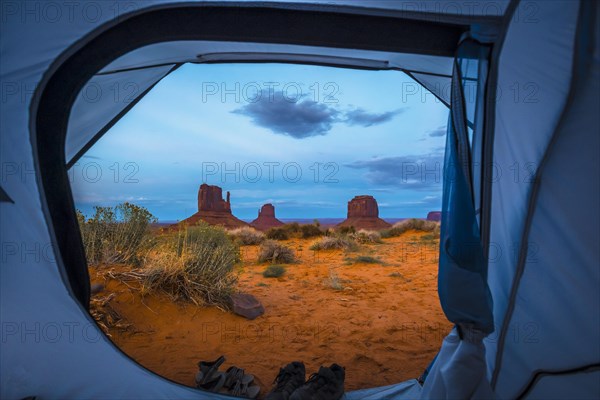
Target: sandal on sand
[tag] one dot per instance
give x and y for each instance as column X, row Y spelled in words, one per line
column 235, row 374
column 208, row 371
column 215, row 384
column 244, row 390
column 237, row 383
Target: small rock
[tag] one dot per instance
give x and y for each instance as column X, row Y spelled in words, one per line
column 246, row 305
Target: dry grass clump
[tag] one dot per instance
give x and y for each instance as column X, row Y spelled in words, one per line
column 247, row 236
column 334, row 281
column 295, row 230
column 334, row 242
column 115, row 234
column 275, row 252
column 105, row 316
column 366, row 237
column 280, row 233
column 274, row 271
column 194, row 264
column 365, row 260
column 411, row 224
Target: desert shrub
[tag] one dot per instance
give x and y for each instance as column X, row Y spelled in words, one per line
column 292, row 228
column 346, row 230
column 334, row 242
column 194, row 264
column 364, row 236
column 310, row 230
column 115, row 234
column 274, row 271
column 275, row 252
column 247, row 236
column 411, row 224
column 280, row 233
column 366, row 260
column 430, row 237
column 335, row 282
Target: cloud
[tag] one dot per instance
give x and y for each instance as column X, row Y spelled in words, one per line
column 438, row 132
column 299, row 119
column 423, row 172
column 302, row 118
column 359, row 116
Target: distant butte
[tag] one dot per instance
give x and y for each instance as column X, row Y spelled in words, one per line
column 363, row 213
column 266, row 218
column 434, row 216
column 213, row 210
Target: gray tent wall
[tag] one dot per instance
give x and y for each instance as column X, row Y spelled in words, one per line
column 51, row 347
column 544, row 275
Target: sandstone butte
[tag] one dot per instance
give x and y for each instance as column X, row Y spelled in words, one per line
column 434, row 216
column 266, row 218
column 213, row 210
column 363, row 213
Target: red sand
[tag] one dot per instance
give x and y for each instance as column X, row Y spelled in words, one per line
column 384, row 326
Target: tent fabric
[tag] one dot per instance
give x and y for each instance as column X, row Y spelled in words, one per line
column 438, row 85
column 540, row 56
column 545, row 305
column 558, row 268
column 462, row 277
column 459, row 371
column 51, row 347
column 407, row 390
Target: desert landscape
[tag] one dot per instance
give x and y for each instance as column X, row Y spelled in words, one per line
column 362, row 294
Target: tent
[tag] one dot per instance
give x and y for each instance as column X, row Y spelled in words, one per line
column 519, row 267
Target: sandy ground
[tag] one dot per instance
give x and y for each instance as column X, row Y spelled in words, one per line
column 384, row 325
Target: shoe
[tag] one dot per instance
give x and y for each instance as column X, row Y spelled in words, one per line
column 327, row 384
column 287, row 381
column 208, row 371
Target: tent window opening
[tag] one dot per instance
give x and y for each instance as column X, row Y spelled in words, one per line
column 262, row 212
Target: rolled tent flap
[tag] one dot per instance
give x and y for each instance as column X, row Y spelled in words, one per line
column 460, row 370
column 462, row 277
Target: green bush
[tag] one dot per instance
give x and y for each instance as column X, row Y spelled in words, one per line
column 411, row 224
column 275, row 253
column 115, row 234
column 247, row 236
column 274, row 271
column 194, row 264
column 310, row 230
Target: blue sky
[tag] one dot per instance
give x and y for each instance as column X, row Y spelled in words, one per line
column 305, row 138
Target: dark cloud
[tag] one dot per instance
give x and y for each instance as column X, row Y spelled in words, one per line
column 359, row 116
column 438, row 132
column 302, row 118
column 299, row 119
column 422, row 172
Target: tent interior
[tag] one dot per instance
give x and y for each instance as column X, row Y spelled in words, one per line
column 519, row 247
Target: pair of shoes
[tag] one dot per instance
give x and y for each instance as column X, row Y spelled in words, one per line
column 327, row 384
column 234, row 381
